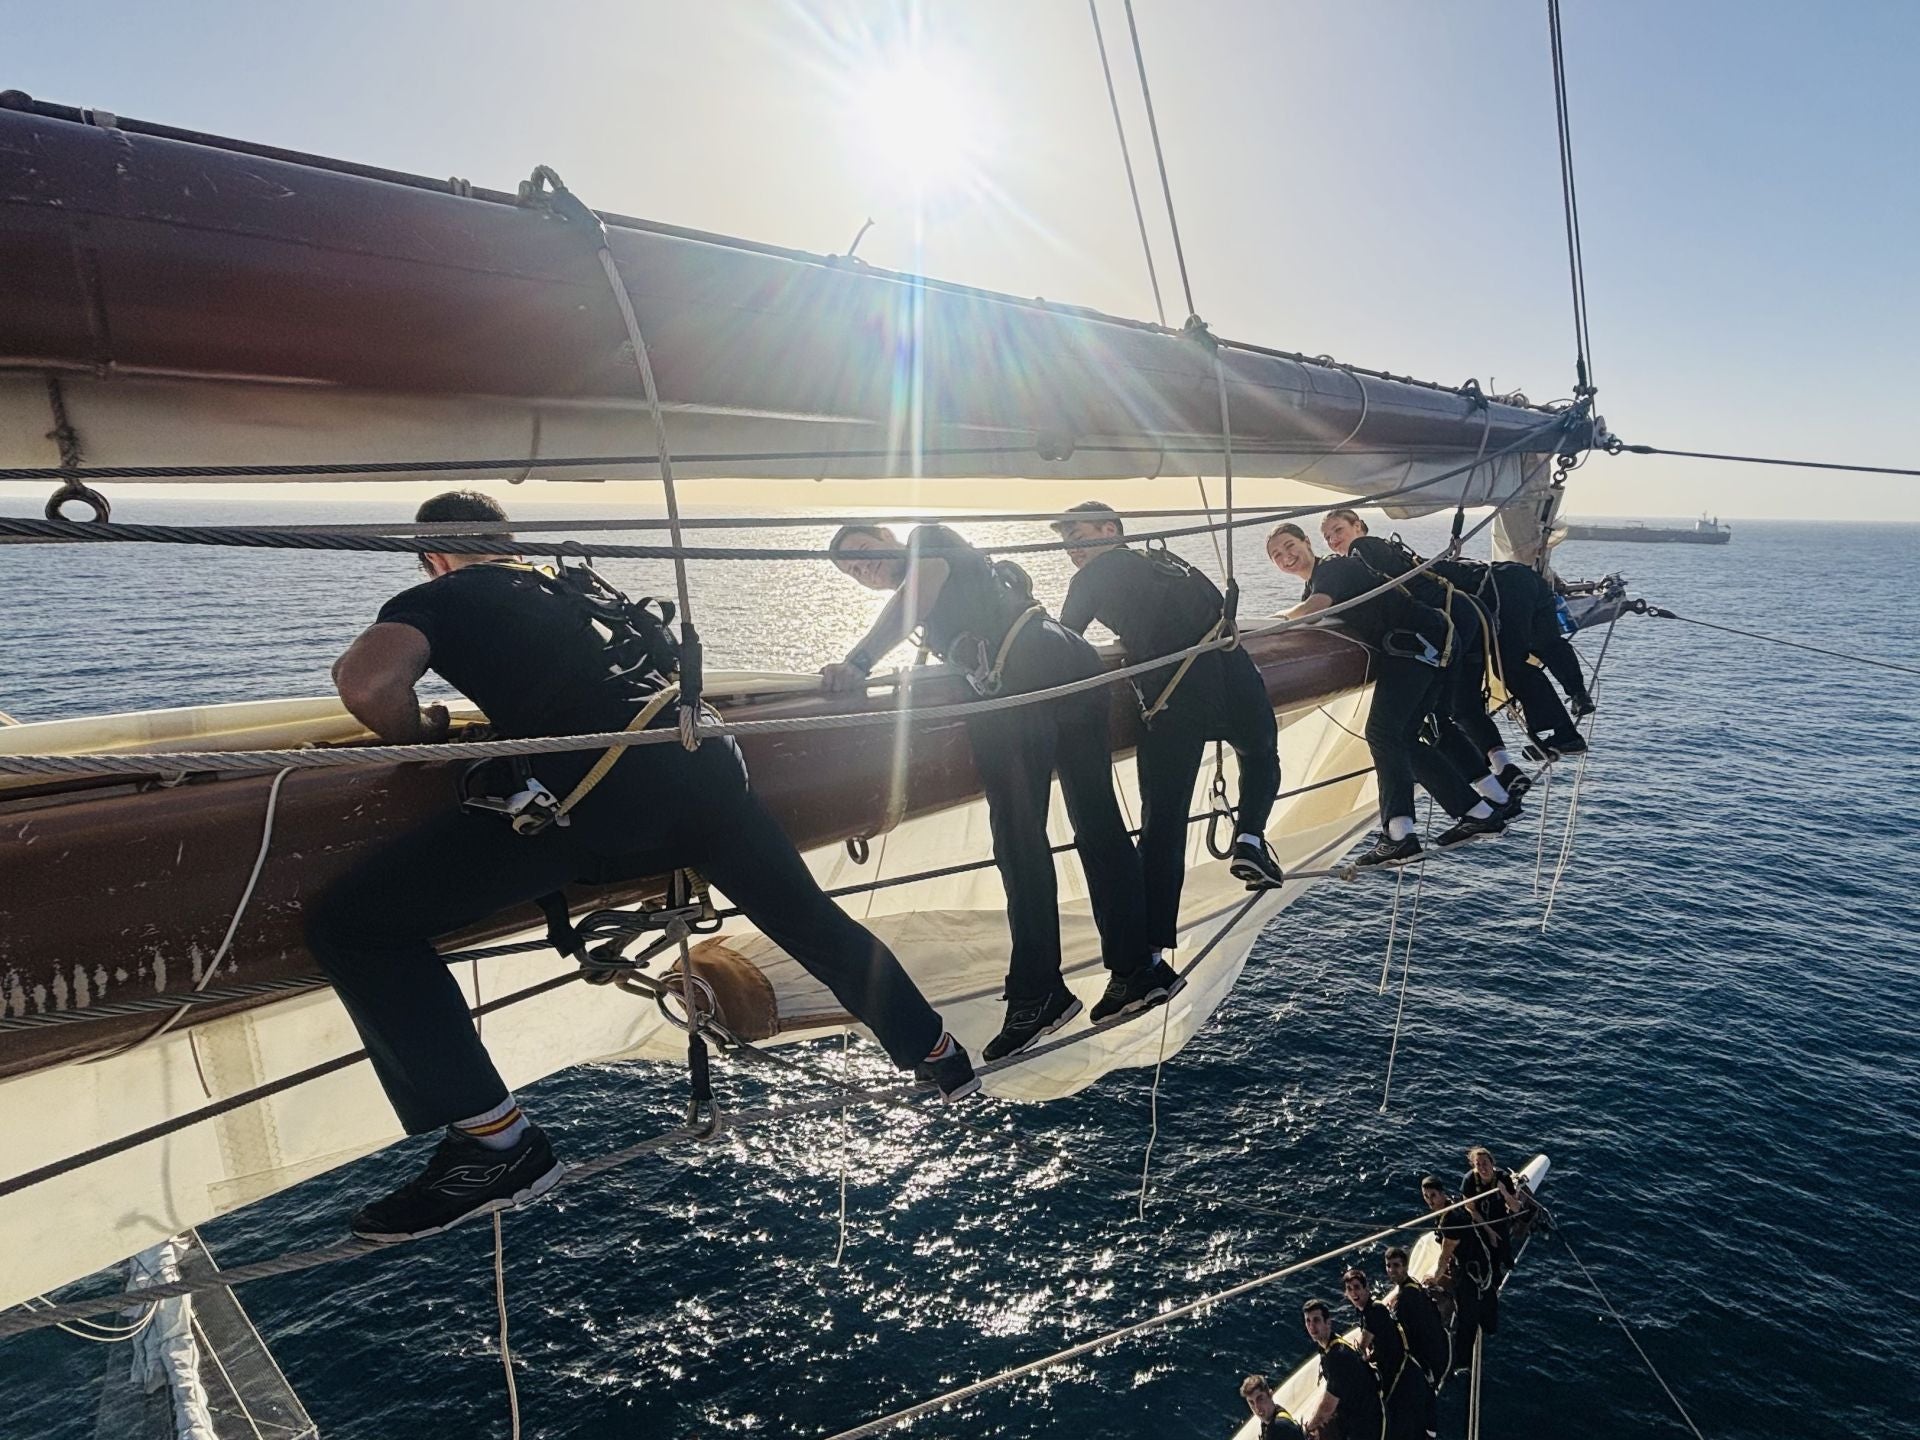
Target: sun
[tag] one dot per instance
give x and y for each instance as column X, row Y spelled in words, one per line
column 918, row 121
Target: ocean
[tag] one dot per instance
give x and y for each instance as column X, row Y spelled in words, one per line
column 1712, row 1040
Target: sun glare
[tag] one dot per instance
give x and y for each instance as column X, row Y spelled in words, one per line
column 917, row 120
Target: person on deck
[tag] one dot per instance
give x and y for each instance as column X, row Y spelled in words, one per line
column 1405, row 1396
column 1411, row 673
column 1427, row 1338
column 1526, row 623
column 1275, row 1422
column 1352, row 1389
column 982, row 618
column 526, row 647
column 1466, row 1269
column 1498, row 1203
column 1157, row 604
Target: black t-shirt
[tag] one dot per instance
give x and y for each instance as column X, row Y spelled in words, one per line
column 1352, row 1383
column 1341, row 578
column 1388, row 1347
column 1458, row 1225
column 1281, row 1427
column 1425, row 1331
column 1153, row 602
column 973, row 601
column 513, row 641
column 1493, row 1207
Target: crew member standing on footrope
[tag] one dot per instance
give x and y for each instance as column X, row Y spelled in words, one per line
column 1157, row 604
column 546, row 653
column 1466, row 1269
column 1405, row 1396
column 1353, row 1391
column 1427, row 1338
column 1498, row 1202
column 982, row 617
column 1412, row 651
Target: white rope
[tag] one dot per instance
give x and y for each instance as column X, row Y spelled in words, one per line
column 1126, row 159
column 1473, row 1387
column 226, row 941
column 500, row 1306
column 1580, row 774
column 1393, row 927
column 1540, row 842
column 1406, row 968
column 1153, row 1106
column 1627, row 1330
column 98, row 1332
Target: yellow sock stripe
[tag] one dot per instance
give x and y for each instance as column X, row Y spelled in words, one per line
column 492, row 1127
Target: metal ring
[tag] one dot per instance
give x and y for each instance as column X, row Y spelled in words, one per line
column 705, row 1009
column 858, row 850
column 73, row 490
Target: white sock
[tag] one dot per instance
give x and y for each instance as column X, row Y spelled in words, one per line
column 1254, row 840
column 498, row 1129
column 1481, row 811
column 1499, row 759
column 1492, row 789
column 943, row 1049
column 1399, row 827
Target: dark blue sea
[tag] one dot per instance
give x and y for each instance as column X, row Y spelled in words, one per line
column 1713, row 1040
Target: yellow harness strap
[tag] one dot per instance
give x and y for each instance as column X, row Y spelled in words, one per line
column 1181, row 673
column 612, row 755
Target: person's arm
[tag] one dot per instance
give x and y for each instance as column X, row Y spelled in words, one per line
column 905, row 609
column 375, row 677
column 1324, row 1411
column 1077, row 610
column 1312, row 605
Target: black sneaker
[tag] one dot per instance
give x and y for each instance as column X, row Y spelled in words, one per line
column 1144, row 988
column 1508, row 813
column 1471, row 829
column 1253, row 863
column 1515, row 781
column 952, row 1074
column 1582, row 707
column 1032, row 1021
column 1387, row 854
column 462, row 1179
column 1570, row 743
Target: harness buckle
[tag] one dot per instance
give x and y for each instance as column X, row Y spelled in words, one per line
column 530, row 809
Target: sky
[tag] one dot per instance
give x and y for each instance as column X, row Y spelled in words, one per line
column 1372, row 179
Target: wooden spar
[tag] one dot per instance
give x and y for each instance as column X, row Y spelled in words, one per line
column 276, row 294
column 124, row 891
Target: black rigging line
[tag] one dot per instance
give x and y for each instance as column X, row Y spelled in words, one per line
column 1618, row 449
column 1640, row 607
column 1126, row 158
column 1570, row 205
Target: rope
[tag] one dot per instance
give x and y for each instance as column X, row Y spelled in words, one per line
column 1159, row 156
column 1616, row 448
column 1153, row 1105
column 1126, row 159
column 1570, row 206
column 1660, row 614
column 93, row 1330
column 1579, row 774
column 500, row 1306
column 1125, row 1332
column 1627, row 1330
column 1406, row 966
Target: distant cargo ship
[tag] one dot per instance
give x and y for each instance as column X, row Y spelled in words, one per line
column 1704, row 532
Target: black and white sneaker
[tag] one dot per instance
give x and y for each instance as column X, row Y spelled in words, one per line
column 952, row 1074
column 1570, row 742
column 1253, row 863
column 1515, row 781
column 1469, row 829
column 1508, row 813
column 1143, row 989
column 1388, row 854
column 462, row 1179
column 1032, row 1021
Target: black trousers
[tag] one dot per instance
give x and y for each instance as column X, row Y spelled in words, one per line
column 1017, row 752
column 1476, row 1310
column 1529, row 624
column 1466, row 731
column 1405, row 693
column 1224, row 700
column 1409, row 1405
column 660, row 809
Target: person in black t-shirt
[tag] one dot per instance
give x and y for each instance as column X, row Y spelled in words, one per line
column 528, row 648
column 1156, row 604
column 1427, row 1338
column 1275, row 1422
column 1466, row 1269
column 1405, row 1395
column 1410, row 675
column 969, row 614
column 1498, row 1204
column 1353, row 1390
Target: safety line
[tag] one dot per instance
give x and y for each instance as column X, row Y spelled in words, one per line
column 1618, row 449
column 1570, row 204
column 1627, row 1330
column 1659, row 614
column 1126, row 159
column 1159, row 156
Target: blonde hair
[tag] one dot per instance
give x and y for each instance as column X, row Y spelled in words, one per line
column 1477, row 1151
column 1352, row 517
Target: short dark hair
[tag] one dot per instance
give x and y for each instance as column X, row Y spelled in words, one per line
column 1353, row 1272
column 460, row 505
column 847, row 532
column 1429, row 1182
column 1396, row 1252
column 1253, row 1383
column 1287, row 527
column 1320, row 1305
column 1090, row 512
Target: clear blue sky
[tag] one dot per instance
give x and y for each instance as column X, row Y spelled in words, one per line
column 1374, row 180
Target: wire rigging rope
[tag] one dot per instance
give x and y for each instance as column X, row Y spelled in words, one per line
column 1618, row 448
column 1159, row 156
column 1570, row 205
column 1126, row 159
